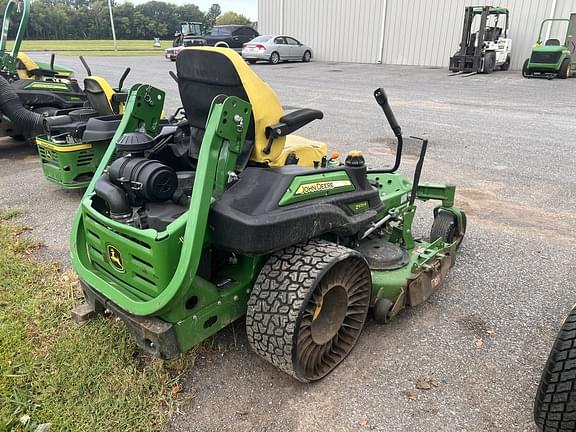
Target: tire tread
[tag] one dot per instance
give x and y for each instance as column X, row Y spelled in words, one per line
column 555, row 403
column 279, row 294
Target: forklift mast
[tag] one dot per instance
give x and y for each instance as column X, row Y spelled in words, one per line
column 469, row 45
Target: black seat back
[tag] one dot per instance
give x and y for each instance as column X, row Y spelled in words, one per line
column 552, row 42
column 203, row 75
column 97, row 97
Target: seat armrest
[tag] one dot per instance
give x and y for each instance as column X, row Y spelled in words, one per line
column 301, row 117
column 292, row 122
column 119, row 97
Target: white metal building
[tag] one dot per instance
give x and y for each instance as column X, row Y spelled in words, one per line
column 403, row 32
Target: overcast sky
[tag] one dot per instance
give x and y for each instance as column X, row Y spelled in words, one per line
column 248, row 8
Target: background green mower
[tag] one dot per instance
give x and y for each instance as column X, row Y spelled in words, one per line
column 29, row 89
column 74, row 140
column 555, row 58
column 182, row 238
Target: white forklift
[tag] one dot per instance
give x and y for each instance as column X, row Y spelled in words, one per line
column 485, row 45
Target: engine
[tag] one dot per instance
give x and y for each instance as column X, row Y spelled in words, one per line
column 141, row 189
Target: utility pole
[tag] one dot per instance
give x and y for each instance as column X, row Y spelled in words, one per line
column 112, row 24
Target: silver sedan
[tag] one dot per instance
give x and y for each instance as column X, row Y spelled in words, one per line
column 275, row 49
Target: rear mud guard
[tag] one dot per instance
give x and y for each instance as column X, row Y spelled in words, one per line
column 150, row 334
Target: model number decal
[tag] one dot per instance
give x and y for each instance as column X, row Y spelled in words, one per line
column 321, row 186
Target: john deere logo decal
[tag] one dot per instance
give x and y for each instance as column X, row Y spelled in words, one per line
column 115, row 258
column 47, row 86
column 321, row 186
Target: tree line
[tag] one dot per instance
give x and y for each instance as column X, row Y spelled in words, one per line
column 89, row 19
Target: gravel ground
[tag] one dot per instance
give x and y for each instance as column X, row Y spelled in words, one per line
column 508, row 143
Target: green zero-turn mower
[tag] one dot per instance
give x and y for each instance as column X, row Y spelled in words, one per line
column 16, row 65
column 555, row 402
column 179, row 238
column 42, row 88
column 74, row 140
column 554, row 58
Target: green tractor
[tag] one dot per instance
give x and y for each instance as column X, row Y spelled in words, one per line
column 553, row 58
column 219, row 217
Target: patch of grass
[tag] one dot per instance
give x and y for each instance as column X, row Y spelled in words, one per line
column 95, row 47
column 78, row 378
column 9, row 214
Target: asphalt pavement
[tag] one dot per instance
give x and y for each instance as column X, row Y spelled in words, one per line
column 481, row 341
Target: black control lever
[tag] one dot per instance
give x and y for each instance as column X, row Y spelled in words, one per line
column 418, row 170
column 382, row 100
column 52, row 57
column 88, row 71
column 122, row 79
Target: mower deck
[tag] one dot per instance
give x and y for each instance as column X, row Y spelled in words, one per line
column 392, row 291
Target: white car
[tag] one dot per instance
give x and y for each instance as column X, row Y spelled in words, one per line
column 171, row 53
column 275, row 49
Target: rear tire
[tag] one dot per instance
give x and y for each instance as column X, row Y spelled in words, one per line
column 307, row 57
column 307, row 308
column 445, row 226
column 565, row 69
column 525, row 71
column 489, row 62
column 274, row 58
column 506, row 64
column 555, row 403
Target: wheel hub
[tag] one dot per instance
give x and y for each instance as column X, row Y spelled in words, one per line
column 329, row 314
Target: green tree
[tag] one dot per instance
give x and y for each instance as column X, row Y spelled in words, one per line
column 89, row 19
column 190, row 12
column 211, row 16
column 232, row 18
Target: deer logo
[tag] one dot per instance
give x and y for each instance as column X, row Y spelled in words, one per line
column 115, row 258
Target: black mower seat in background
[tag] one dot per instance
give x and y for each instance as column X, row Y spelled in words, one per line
column 552, row 42
column 98, row 97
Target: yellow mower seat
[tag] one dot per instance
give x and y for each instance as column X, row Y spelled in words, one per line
column 28, row 65
column 206, row 72
column 100, row 96
column 29, row 69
